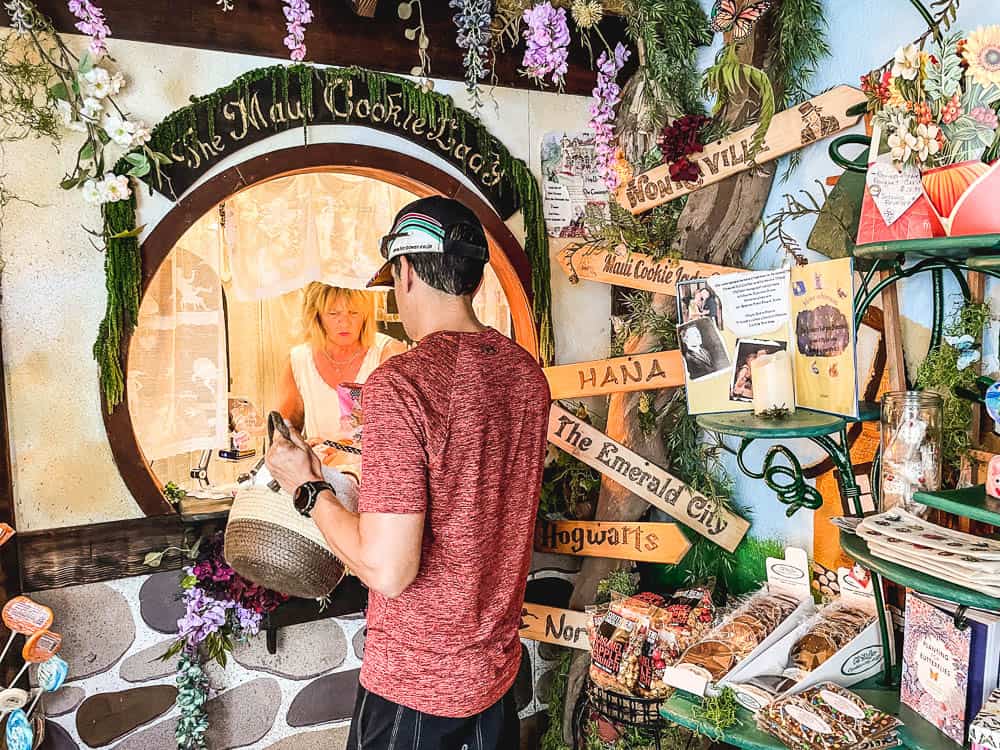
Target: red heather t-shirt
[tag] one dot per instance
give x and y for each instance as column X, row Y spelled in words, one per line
column 454, row 428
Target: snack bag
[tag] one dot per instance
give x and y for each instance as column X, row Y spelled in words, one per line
column 616, row 645
column 673, row 627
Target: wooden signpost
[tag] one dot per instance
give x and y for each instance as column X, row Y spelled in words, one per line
column 563, row 627
column 599, row 377
column 811, row 121
column 634, row 270
column 647, row 480
column 644, row 542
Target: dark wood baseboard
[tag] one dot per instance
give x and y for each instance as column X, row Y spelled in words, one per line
column 55, row 558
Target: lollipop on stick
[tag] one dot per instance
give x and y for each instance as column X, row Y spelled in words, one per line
column 51, row 675
column 19, row 734
column 12, row 698
column 24, row 616
column 40, row 646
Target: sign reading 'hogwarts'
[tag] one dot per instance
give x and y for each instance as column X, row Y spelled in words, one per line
column 644, row 542
column 647, row 480
column 233, row 118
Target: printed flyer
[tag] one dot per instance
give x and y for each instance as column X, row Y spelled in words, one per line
column 726, row 322
column 571, row 183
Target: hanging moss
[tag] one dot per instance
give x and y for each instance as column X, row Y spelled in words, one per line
column 123, row 263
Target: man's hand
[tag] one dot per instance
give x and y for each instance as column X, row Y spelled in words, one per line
column 292, row 462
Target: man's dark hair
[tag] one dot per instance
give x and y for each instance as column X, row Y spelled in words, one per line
column 451, row 274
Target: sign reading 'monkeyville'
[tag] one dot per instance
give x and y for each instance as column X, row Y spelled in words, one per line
column 647, row 480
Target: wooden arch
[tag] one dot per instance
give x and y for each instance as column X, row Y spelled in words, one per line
column 507, row 258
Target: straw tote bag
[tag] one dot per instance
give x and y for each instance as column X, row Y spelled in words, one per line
column 270, row 543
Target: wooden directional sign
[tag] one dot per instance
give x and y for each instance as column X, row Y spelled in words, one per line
column 644, row 542
column 563, row 627
column 647, row 480
column 634, row 270
column 640, row 372
column 811, row 121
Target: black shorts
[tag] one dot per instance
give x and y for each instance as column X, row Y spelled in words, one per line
column 380, row 724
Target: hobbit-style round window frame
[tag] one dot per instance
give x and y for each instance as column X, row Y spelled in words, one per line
column 507, row 258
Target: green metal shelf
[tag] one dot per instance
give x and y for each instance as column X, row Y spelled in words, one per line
column 802, row 424
column 868, row 411
column 857, row 548
column 916, row 733
column 952, row 248
column 970, row 502
column 984, row 263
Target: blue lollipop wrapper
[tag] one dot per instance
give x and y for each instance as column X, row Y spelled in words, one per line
column 19, row 734
column 51, row 674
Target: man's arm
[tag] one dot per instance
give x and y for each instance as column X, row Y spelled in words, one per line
column 382, row 549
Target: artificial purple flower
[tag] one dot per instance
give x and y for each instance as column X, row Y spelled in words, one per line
column 92, row 24
column 203, row 616
column 298, row 15
column 248, row 620
column 602, row 112
column 546, row 38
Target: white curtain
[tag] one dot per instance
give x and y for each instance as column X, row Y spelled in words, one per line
column 177, row 388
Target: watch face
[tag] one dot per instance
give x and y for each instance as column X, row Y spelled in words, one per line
column 303, row 498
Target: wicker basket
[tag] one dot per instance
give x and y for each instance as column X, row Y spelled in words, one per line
column 270, row 543
column 625, row 709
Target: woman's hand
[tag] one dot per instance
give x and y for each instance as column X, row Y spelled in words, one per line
column 291, row 462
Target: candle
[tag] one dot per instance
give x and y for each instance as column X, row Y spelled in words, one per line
column 771, row 380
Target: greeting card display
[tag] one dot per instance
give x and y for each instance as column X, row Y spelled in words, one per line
column 793, row 327
column 935, row 667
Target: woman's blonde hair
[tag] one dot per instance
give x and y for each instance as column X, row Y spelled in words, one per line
column 317, row 299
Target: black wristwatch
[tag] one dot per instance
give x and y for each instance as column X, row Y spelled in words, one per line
column 307, row 494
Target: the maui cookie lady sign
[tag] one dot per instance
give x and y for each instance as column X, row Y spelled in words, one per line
column 634, row 270
column 647, row 480
column 276, row 99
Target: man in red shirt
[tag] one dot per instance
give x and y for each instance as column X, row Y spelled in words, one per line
column 452, row 455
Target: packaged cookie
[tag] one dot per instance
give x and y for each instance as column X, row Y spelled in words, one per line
column 617, row 643
column 831, row 629
column 674, row 626
column 848, row 710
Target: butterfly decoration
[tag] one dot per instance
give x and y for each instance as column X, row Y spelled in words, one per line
column 738, row 16
column 968, row 353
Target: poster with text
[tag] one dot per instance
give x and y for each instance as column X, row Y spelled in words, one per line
column 571, row 182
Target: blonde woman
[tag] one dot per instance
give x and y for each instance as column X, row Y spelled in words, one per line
column 342, row 346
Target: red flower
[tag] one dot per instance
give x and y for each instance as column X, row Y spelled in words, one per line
column 683, row 170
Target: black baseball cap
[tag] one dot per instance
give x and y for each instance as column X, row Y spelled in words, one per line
column 432, row 225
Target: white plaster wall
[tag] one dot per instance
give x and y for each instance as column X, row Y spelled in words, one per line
column 53, row 278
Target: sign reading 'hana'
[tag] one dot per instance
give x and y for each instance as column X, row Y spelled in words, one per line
column 640, row 372
column 643, row 542
column 285, row 98
column 795, row 128
column 647, row 480
column 563, row 627
column 634, row 270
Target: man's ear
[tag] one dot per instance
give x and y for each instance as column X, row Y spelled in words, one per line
column 406, row 274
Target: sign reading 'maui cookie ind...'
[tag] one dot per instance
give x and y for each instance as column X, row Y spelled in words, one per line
column 820, row 117
column 647, row 480
column 634, row 270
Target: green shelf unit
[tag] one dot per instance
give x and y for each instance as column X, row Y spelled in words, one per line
column 857, row 549
column 950, row 248
column 970, row 502
column 916, row 733
column 803, row 423
column 868, row 411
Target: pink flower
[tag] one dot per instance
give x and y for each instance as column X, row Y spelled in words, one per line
column 546, row 38
column 92, row 24
column 298, row 15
